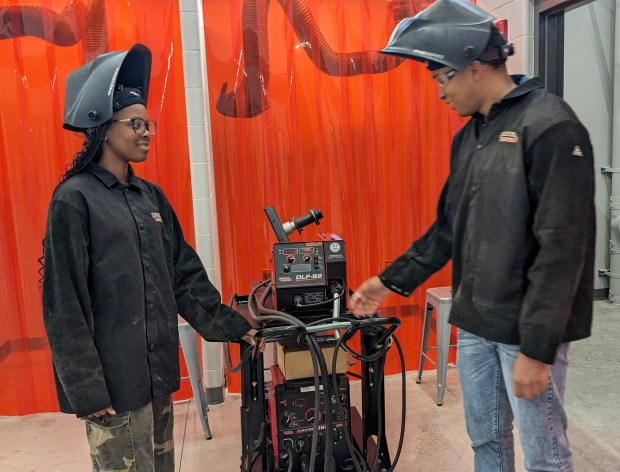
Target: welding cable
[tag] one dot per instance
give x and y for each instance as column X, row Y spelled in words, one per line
column 261, row 314
column 351, row 330
column 290, row 451
column 394, row 340
column 265, row 314
column 317, row 358
column 403, row 414
column 317, row 404
column 368, row 324
column 339, row 345
column 252, row 300
column 313, row 345
column 341, row 411
column 380, row 419
column 314, row 356
column 249, row 440
column 329, row 445
column 361, row 357
column 232, row 369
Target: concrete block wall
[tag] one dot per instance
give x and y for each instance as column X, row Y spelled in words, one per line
column 520, row 16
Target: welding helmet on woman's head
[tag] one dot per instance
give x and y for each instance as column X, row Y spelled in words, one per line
column 91, row 88
column 451, row 33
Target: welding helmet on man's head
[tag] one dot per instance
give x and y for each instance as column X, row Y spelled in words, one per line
column 451, row 33
column 91, row 88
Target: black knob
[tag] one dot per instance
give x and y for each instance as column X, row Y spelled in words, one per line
column 286, row 268
column 287, row 420
column 290, row 259
column 299, row 444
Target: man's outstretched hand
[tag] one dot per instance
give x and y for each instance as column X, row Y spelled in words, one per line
column 366, row 300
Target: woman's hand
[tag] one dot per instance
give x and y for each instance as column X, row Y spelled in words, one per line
column 249, row 338
column 106, row 411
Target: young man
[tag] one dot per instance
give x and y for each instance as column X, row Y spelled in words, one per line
column 516, row 217
column 117, row 270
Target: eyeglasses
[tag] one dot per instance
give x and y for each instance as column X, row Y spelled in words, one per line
column 442, row 79
column 140, row 126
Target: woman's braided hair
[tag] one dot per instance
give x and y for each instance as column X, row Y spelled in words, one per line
column 90, row 152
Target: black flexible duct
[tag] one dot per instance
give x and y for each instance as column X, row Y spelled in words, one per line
column 80, row 20
column 249, row 97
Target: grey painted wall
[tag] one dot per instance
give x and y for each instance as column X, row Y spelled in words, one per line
column 588, row 88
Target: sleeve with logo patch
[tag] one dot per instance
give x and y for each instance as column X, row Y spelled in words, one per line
column 561, row 184
column 67, row 311
column 426, row 255
column 198, row 301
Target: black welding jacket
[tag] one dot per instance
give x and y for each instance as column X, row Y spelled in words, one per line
column 516, row 216
column 117, row 271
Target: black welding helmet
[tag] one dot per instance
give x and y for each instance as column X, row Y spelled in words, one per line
column 450, row 33
column 90, row 89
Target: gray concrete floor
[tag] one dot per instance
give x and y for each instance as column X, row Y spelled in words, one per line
column 435, row 437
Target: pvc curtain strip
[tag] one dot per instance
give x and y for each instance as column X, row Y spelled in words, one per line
column 369, row 149
column 305, row 113
column 48, row 39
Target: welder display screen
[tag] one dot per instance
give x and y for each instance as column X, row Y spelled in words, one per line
column 301, row 268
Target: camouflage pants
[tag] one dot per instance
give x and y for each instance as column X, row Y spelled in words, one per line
column 136, row 441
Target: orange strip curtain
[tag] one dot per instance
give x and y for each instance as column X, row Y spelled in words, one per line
column 371, row 150
column 34, row 150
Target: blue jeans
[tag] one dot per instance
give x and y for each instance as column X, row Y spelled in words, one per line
column 485, row 373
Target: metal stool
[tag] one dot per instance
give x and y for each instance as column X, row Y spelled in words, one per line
column 187, row 336
column 439, row 299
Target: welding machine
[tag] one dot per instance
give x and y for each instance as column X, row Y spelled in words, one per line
column 297, row 415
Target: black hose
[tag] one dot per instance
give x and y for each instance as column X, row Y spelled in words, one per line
column 291, row 464
column 232, row 369
column 259, row 313
column 341, row 408
column 401, row 437
column 380, row 418
column 329, row 445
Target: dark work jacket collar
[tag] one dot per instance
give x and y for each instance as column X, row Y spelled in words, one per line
column 525, row 85
column 109, row 179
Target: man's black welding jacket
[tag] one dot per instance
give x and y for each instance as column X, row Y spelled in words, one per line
column 516, row 216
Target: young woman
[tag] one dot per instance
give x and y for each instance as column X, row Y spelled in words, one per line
column 117, row 271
